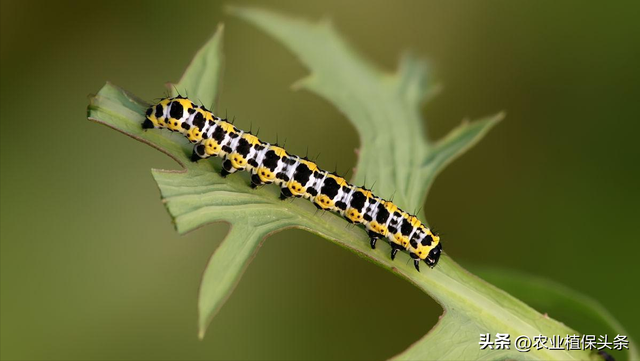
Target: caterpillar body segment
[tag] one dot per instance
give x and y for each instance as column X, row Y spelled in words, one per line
column 296, row 177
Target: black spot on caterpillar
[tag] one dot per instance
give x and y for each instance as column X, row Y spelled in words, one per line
column 297, row 177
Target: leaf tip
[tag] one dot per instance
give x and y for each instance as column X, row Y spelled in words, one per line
column 494, row 120
column 488, row 122
column 202, row 77
column 302, row 83
column 217, row 37
column 201, row 332
column 326, row 22
column 412, row 78
column 433, row 91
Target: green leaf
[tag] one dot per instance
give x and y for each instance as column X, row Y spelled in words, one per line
column 556, row 300
column 203, row 77
column 385, row 108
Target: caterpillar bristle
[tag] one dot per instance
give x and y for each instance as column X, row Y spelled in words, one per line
column 297, row 177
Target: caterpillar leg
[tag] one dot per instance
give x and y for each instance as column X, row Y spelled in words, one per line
column 227, row 168
column 147, row 124
column 374, row 238
column 256, row 181
column 394, row 249
column 195, row 157
column 416, row 261
column 198, row 153
column 285, row 193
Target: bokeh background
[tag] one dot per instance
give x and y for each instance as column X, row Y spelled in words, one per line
column 93, row 269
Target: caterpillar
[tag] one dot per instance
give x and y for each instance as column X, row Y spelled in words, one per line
column 297, row 177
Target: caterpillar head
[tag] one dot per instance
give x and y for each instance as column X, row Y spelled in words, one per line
column 434, row 255
column 156, row 115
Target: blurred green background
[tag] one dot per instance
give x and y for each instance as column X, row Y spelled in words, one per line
column 93, row 269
